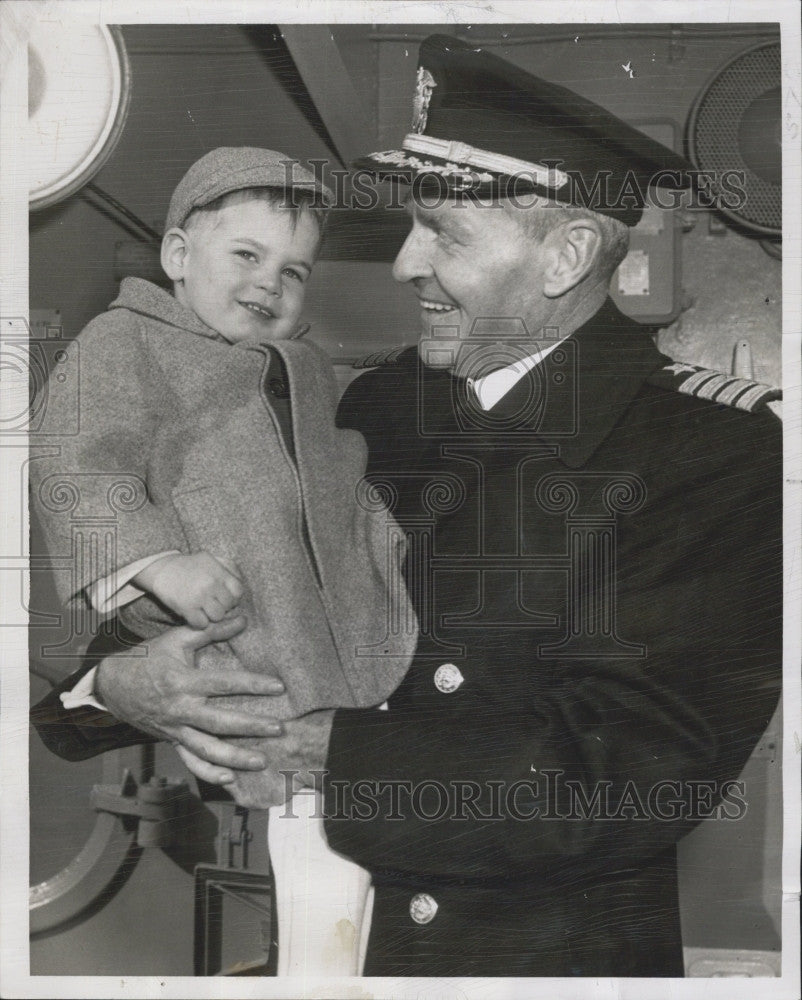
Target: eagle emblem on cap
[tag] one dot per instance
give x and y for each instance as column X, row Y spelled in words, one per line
column 420, row 103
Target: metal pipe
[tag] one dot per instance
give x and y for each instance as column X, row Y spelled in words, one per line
column 125, row 212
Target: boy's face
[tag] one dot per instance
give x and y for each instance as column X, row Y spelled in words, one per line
column 242, row 269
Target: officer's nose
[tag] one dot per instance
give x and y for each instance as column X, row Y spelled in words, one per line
column 413, row 259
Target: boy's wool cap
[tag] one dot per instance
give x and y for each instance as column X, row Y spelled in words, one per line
column 481, row 124
column 234, row 168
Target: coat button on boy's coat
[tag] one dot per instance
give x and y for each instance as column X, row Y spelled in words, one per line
column 278, row 387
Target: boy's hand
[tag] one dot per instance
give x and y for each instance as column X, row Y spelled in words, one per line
column 199, row 587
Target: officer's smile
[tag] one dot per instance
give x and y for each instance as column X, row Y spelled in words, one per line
column 431, row 306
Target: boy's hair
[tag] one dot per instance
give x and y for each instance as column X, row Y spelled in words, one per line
column 297, row 201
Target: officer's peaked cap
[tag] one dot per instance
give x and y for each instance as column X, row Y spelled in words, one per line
column 484, row 125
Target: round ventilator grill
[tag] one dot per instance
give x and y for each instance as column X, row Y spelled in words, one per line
column 736, row 124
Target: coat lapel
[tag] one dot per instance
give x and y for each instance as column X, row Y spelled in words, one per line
column 612, row 357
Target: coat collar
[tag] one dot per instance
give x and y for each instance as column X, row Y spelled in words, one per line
column 144, row 297
column 614, row 357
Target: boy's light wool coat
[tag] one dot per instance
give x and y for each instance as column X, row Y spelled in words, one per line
column 179, row 448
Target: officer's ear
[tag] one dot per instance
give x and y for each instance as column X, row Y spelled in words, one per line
column 572, row 251
column 175, row 243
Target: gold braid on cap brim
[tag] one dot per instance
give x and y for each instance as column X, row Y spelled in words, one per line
column 461, row 158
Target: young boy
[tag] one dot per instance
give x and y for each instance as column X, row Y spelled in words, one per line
column 207, row 445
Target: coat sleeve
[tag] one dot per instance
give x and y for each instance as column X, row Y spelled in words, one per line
column 89, row 485
column 603, row 761
column 79, row 733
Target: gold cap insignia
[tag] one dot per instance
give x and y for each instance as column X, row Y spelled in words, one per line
column 423, row 94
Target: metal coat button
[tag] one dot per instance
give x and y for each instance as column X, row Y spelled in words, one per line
column 447, row 678
column 278, row 387
column 423, row 908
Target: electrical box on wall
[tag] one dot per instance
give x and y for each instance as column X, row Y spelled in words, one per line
column 646, row 285
column 45, row 324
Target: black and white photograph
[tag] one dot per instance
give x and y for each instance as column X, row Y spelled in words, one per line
column 400, row 442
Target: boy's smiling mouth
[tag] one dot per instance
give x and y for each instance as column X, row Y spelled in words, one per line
column 259, row 310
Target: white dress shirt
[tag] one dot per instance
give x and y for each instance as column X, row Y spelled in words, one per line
column 493, row 387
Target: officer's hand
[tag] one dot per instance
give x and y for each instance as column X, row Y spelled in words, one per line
column 164, row 695
column 198, row 587
column 295, row 759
